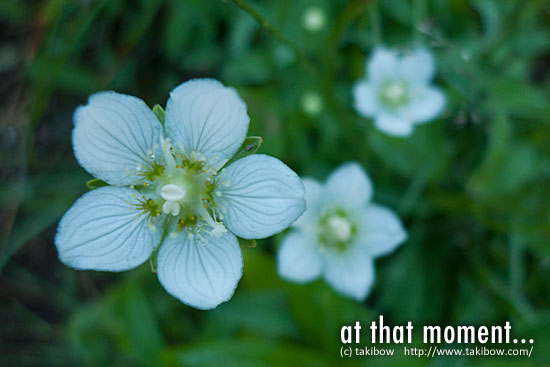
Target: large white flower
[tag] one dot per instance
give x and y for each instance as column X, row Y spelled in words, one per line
column 169, row 196
column 397, row 93
column 340, row 234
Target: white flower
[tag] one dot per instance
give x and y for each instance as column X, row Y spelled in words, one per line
column 314, row 18
column 168, row 193
column 397, row 91
column 340, row 234
column 312, row 103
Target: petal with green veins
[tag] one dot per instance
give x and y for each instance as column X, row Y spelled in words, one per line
column 204, row 116
column 200, row 271
column 102, row 231
column 260, row 196
column 114, row 137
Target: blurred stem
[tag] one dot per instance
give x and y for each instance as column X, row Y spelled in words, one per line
column 415, row 189
column 169, row 223
column 45, row 86
column 268, row 27
column 330, row 62
column 516, row 265
column 420, row 13
column 376, row 23
column 515, row 302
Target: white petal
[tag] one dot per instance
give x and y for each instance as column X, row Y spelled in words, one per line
column 380, row 230
column 395, row 124
column 298, row 258
column 365, row 100
column 112, row 136
column 427, row 104
column 349, row 186
column 314, row 200
column 383, row 63
column 418, row 66
column 350, row 273
column 102, row 231
column 263, row 196
column 200, row 273
column 206, row 117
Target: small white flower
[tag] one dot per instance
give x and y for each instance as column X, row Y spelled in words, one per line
column 312, row 103
column 167, row 190
column 340, row 234
column 314, row 18
column 397, row 93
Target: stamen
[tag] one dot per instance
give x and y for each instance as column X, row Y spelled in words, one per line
column 219, row 164
column 168, row 156
column 197, row 157
column 171, row 207
column 218, row 230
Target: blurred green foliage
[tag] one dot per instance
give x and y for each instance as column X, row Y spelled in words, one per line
column 473, row 188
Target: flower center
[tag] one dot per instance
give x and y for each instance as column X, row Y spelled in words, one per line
column 336, row 230
column 340, row 228
column 314, row 19
column 172, row 194
column 183, row 188
column 394, row 93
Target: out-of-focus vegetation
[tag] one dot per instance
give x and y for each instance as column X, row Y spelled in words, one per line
column 473, row 188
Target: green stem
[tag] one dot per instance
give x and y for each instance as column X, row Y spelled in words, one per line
column 330, row 61
column 419, row 17
column 517, row 304
column 416, row 187
column 268, row 27
column 376, row 23
column 516, row 266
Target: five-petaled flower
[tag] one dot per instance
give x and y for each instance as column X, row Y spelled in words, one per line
column 340, row 234
column 170, row 195
column 397, row 93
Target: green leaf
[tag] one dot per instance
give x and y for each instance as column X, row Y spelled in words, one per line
column 125, row 320
column 250, row 146
column 509, row 163
column 260, row 312
column 145, row 340
column 242, row 352
column 247, row 243
column 96, row 183
column 159, row 112
column 409, row 156
column 491, row 15
column 48, row 198
column 519, row 99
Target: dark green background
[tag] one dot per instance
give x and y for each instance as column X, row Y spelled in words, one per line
column 472, row 187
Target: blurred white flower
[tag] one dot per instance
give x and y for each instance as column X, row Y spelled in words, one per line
column 314, row 18
column 340, row 234
column 397, row 92
column 168, row 191
column 312, row 103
